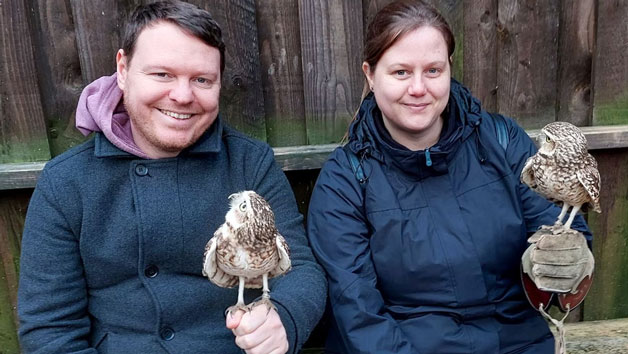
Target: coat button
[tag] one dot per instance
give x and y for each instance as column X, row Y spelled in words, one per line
column 167, row 333
column 141, row 170
column 151, row 271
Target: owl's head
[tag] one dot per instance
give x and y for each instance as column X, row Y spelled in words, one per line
column 250, row 209
column 562, row 138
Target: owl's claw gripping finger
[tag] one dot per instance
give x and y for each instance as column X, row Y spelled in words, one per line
column 265, row 300
column 239, row 306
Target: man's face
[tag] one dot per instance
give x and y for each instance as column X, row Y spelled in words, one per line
column 171, row 89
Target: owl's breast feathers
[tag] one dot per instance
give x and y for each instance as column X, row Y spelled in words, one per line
column 243, row 252
column 573, row 183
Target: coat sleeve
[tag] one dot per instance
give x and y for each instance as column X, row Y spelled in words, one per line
column 300, row 294
column 339, row 235
column 537, row 210
column 52, row 295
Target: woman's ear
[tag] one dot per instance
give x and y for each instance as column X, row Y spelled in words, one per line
column 368, row 73
column 122, row 67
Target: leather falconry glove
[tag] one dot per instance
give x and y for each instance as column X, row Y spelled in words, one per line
column 558, row 263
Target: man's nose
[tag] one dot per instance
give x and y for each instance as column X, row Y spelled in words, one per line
column 182, row 92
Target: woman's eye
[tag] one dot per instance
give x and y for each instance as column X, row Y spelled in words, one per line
column 400, row 72
column 243, row 206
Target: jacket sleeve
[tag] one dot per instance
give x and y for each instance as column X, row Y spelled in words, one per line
column 339, row 235
column 300, row 294
column 537, row 210
column 52, row 295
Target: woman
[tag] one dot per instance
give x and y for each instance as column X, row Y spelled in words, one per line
column 422, row 240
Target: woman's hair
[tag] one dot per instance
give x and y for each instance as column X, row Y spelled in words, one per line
column 395, row 20
column 391, row 23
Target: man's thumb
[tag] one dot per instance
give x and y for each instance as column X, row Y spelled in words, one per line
column 233, row 319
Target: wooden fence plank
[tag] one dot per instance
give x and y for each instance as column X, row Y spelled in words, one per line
column 331, row 40
column 22, row 126
column 242, row 95
column 369, row 9
column 577, row 21
column 611, row 64
column 480, row 51
column 452, row 11
column 607, row 297
column 282, row 74
column 97, row 52
column 12, row 212
column 527, row 60
column 59, row 71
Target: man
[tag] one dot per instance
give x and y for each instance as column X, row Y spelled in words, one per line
column 113, row 243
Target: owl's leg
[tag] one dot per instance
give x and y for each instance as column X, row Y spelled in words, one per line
column 240, row 304
column 574, row 211
column 265, row 300
column 562, row 214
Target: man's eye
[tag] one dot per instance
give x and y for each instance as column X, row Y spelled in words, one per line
column 401, row 72
column 433, row 72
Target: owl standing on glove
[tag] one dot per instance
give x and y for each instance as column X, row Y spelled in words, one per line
column 247, row 249
column 558, row 261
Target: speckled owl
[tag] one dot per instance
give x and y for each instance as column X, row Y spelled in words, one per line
column 563, row 171
column 247, row 249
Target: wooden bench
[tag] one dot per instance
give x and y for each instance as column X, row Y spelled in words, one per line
column 603, row 337
column 24, row 175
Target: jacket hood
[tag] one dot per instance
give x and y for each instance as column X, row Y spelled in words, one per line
column 463, row 115
column 100, row 109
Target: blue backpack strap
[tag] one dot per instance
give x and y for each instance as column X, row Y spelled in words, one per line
column 356, row 166
column 500, row 129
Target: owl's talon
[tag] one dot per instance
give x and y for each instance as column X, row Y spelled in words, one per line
column 264, row 301
column 239, row 306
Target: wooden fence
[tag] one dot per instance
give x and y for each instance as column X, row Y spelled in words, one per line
column 293, row 78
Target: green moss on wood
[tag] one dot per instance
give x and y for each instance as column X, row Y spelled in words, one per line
column 24, row 151
column 285, row 131
column 613, row 112
column 8, row 330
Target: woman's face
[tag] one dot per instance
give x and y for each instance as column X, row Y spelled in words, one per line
column 411, row 85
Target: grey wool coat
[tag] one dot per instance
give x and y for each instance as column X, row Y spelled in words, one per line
column 113, row 247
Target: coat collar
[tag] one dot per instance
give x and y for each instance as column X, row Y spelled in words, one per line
column 366, row 138
column 209, row 142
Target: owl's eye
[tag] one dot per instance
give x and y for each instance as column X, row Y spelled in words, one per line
column 242, row 206
column 547, row 139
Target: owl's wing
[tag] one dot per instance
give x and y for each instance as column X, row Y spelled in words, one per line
column 210, row 265
column 589, row 177
column 527, row 174
column 284, row 263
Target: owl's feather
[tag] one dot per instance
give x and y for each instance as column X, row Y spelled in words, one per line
column 210, row 266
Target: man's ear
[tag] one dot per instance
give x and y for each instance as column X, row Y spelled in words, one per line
column 368, row 73
column 122, row 66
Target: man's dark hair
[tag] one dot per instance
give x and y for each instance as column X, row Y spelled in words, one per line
column 188, row 17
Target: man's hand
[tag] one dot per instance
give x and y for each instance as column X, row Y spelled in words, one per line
column 558, row 262
column 259, row 331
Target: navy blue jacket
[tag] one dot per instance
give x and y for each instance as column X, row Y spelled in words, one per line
column 113, row 247
column 426, row 258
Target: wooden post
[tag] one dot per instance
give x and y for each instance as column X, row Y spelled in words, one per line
column 282, row 74
column 22, row 127
column 610, row 64
column 331, row 42
column 527, row 50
